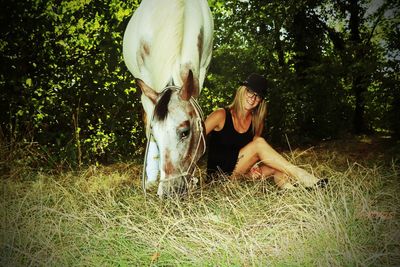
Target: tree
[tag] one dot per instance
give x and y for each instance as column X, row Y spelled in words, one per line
column 333, row 67
column 65, row 84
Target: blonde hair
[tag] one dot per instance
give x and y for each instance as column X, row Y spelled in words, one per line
column 258, row 113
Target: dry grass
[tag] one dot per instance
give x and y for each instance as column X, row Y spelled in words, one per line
column 100, row 217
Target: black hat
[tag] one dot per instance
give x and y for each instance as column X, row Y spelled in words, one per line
column 258, row 84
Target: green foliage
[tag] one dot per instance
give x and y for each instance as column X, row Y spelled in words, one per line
column 64, row 75
column 323, row 65
column 64, row 84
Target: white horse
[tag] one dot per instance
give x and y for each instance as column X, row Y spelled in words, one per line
column 167, row 47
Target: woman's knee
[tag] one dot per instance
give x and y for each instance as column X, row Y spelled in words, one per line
column 260, row 142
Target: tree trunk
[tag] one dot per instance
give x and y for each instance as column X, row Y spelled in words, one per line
column 278, row 44
column 359, row 86
column 300, row 43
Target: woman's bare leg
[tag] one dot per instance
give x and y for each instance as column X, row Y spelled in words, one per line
column 260, row 150
column 261, row 171
column 282, row 180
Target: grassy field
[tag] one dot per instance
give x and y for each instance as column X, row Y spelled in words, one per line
column 100, row 217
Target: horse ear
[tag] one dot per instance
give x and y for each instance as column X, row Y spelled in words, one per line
column 190, row 87
column 147, row 91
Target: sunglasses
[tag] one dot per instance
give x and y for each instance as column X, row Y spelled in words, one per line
column 252, row 94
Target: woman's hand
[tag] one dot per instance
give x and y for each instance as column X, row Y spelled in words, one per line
column 255, row 171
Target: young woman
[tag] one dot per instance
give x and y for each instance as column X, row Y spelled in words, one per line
column 236, row 147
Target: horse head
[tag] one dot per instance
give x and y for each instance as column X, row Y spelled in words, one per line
column 177, row 127
column 169, row 42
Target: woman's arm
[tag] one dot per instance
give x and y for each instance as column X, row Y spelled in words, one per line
column 215, row 121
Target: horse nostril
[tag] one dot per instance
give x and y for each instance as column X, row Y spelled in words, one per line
column 171, row 190
column 180, row 190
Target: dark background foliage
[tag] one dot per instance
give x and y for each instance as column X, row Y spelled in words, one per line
column 333, row 67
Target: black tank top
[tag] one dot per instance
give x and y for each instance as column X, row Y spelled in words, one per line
column 224, row 146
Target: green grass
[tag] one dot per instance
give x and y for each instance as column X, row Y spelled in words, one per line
column 100, row 217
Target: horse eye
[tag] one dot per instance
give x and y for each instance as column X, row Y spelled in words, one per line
column 184, row 133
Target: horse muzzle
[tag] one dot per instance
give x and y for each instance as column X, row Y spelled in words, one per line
column 174, row 185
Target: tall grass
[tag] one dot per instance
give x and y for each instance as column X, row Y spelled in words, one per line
column 100, row 217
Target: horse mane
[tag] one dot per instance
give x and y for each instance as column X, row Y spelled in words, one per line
column 161, row 108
